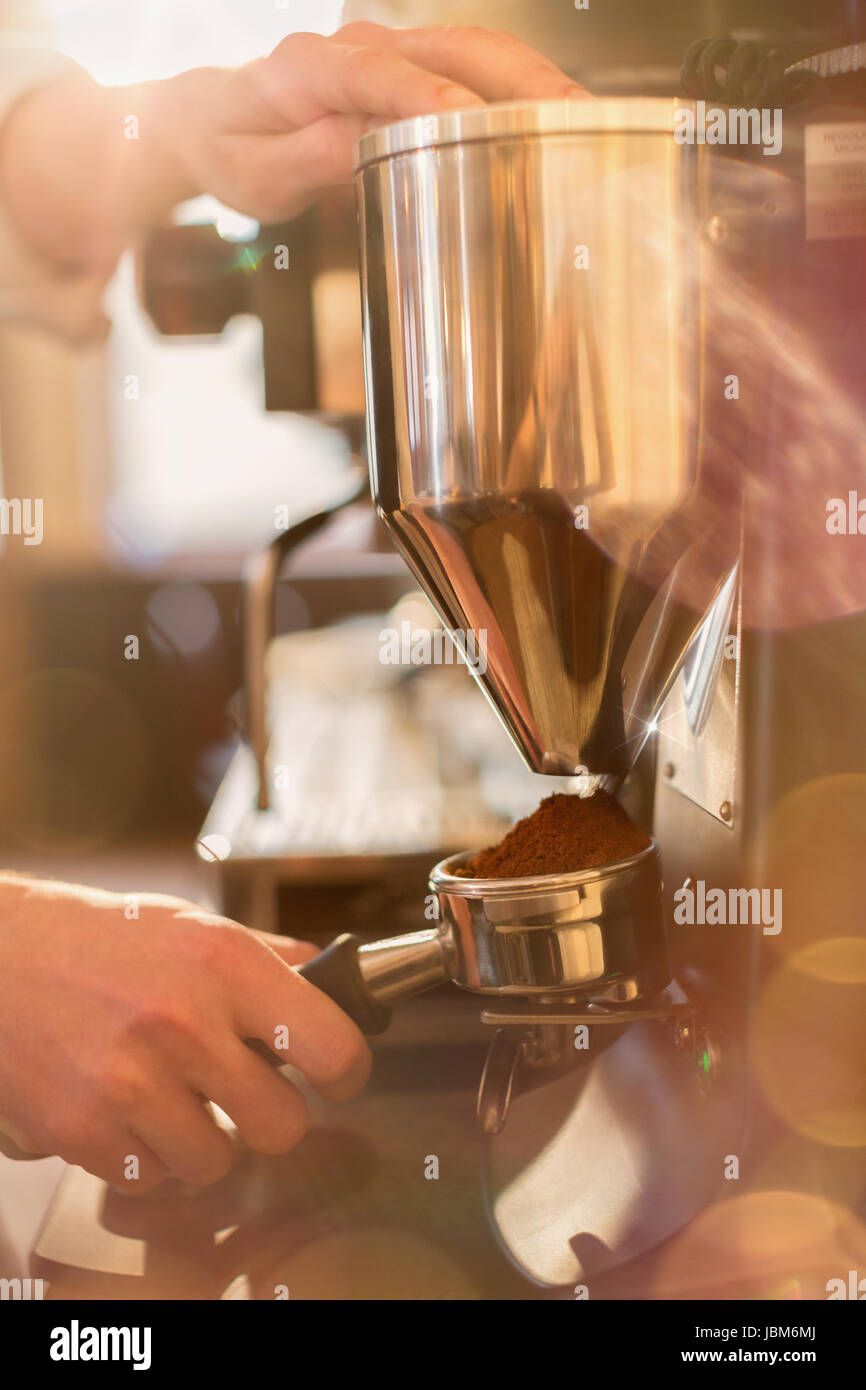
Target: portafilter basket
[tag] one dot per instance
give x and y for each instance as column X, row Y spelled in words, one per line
column 557, row 952
column 556, row 932
column 553, row 937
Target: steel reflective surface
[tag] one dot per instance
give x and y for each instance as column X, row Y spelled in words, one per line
column 531, row 356
column 558, row 932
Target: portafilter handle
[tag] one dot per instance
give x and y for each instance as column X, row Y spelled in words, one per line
column 365, row 979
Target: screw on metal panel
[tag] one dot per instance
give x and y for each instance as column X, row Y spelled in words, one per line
column 669, row 770
column 726, row 810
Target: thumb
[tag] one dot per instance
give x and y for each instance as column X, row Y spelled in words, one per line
column 292, row 951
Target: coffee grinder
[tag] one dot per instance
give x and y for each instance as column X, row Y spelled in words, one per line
column 532, row 321
column 596, row 434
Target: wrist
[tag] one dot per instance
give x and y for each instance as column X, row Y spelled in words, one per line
column 171, row 111
column 86, row 170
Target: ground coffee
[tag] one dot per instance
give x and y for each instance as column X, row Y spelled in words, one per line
column 564, row 834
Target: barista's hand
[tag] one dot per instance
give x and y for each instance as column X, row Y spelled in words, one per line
column 115, row 1029
column 265, row 137
column 268, row 136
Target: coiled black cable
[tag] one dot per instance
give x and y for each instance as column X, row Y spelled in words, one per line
column 741, row 74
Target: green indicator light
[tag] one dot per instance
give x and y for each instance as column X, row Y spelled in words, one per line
column 704, row 1062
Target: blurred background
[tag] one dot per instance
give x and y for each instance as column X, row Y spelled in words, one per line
column 226, row 398
column 224, row 409
column 147, row 517
column 159, row 465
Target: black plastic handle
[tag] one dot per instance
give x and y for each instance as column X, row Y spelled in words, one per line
column 336, row 972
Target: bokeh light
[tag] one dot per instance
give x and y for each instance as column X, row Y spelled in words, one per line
column 761, row 1245
column 807, row 1043
column 812, row 846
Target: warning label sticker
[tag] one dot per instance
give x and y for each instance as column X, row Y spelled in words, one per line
column 835, row 180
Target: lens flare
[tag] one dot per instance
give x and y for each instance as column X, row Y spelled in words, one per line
column 761, row 1245
column 811, row 847
column 807, row 1042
